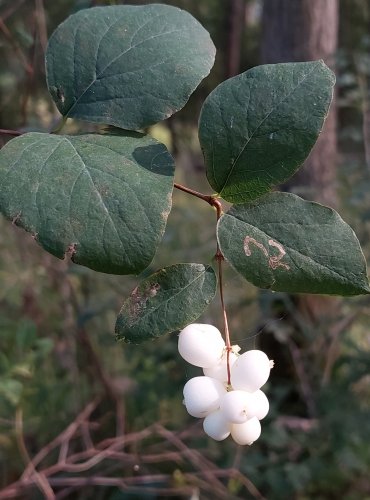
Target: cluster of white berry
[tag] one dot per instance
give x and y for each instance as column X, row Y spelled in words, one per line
column 234, row 408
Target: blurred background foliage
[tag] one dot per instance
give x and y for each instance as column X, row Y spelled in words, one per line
column 57, row 347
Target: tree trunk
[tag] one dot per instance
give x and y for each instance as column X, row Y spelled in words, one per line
column 235, row 27
column 306, row 30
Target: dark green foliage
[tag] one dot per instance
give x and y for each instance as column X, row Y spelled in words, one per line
column 257, row 128
column 101, row 199
column 104, row 200
column 125, row 65
column 166, row 301
column 284, row 243
column 44, row 369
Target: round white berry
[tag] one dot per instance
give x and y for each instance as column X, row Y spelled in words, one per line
column 201, row 345
column 202, row 396
column 239, row 406
column 236, row 406
column 216, row 427
column 219, row 371
column 250, row 371
column 246, row 433
column 261, row 404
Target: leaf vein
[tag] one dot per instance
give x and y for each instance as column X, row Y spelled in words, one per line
column 97, row 192
column 261, row 123
column 113, row 61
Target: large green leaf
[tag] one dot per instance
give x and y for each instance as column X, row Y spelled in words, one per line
column 103, row 199
column 288, row 244
column 129, row 66
column 257, row 128
column 166, row 301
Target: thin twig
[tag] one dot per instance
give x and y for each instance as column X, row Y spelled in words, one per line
column 234, row 473
column 17, row 50
column 124, row 483
column 296, row 423
column 6, row 131
column 5, row 14
column 39, row 478
column 205, row 197
column 334, row 334
column 206, row 476
column 85, row 460
column 363, row 85
column 306, row 389
column 41, row 24
column 195, row 458
column 104, row 379
column 95, row 361
column 66, row 435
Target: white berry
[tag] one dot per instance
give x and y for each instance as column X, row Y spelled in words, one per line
column 201, row 345
column 202, row 396
column 246, row 433
column 261, row 404
column 219, row 371
column 216, row 427
column 236, row 406
column 250, row 371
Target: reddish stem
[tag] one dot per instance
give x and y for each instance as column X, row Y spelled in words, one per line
column 6, row 131
column 211, row 200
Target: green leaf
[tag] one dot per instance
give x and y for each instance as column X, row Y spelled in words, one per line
column 288, row 244
column 128, row 66
column 102, row 199
column 257, row 128
column 166, row 301
column 11, row 390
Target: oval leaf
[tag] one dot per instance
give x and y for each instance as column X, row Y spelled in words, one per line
column 102, row 199
column 166, row 301
column 288, row 244
column 257, row 128
column 128, row 66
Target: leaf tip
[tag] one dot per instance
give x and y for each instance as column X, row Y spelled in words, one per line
column 365, row 289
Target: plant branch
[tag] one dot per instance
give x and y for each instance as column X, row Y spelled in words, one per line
column 6, row 131
column 63, row 437
column 17, row 50
column 39, row 478
column 60, row 125
column 41, row 24
column 214, row 202
column 210, row 199
column 5, row 14
column 220, row 258
column 108, row 462
column 332, row 351
column 104, row 378
column 95, row 362
column 306, row 389
column 196, row 459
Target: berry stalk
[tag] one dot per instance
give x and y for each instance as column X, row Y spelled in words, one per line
column 214, row 202
column 220, row 258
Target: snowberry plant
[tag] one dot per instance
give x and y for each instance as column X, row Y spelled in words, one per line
column 103, row 198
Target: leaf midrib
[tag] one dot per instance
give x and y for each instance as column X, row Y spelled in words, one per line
column 99, row 75
column 259, row 126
